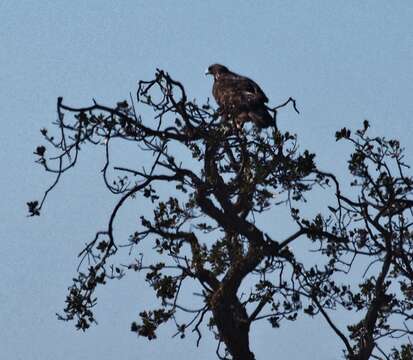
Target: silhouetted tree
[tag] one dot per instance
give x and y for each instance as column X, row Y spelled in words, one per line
column 206, row 232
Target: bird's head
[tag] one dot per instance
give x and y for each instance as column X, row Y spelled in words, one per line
column 216, row 70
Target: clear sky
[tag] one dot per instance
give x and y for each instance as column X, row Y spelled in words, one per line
column 344, row 61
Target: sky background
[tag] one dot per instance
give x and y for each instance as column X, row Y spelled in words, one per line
column 343, row 61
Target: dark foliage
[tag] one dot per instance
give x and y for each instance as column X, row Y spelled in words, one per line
column 207, row 233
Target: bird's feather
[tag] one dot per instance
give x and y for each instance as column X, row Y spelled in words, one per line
column 240, row 97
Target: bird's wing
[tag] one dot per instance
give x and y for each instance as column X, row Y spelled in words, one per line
column 246, row 88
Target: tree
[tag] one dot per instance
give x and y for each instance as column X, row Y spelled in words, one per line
column 206, row 234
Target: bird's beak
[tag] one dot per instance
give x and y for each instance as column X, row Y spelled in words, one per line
column 207, row 72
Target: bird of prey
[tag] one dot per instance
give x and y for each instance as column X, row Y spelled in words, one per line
column 239, row 98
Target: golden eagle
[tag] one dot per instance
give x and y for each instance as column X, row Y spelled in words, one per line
column 239, row 98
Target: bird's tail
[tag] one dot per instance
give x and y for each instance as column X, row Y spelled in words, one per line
column 261, row 117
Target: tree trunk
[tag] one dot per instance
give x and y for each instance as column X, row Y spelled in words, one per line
column 232, row 322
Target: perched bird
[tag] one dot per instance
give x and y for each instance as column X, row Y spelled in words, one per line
column 239, row 98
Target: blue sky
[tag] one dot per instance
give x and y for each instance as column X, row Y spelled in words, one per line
column 344, row 61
